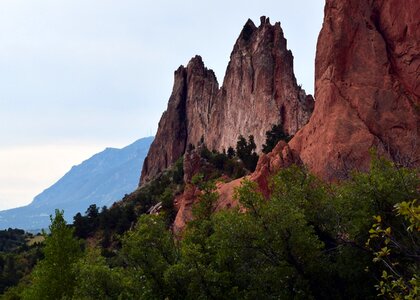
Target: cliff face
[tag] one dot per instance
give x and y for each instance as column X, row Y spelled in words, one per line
column 367, row 88
column 259, row 91
column 185, row 119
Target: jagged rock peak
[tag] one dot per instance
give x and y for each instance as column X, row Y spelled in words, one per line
column 247, row 31
column 260, row 80
column 259, row 90
column 250, row 32
column 265, row 20
column 185, row 118
column 197, row 66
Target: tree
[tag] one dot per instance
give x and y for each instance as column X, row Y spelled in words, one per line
column 96, row 280
column 374, row 193
column 81, row 226
column 54, row 276
column 273, row 136
column 148, row 251
column 397, row 249
column 246, row 152
column 192, row 276
column 231, row 152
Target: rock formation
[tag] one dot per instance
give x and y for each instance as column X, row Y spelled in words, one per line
column 259, row 91
column 186, row 118
column 367, row 89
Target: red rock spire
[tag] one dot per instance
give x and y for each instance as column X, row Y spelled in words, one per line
column 259, row 90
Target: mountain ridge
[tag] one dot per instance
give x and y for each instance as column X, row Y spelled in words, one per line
column 84, row 184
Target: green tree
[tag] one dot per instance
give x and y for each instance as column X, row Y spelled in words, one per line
column 96, row 280
column 273, row 136
column 398, row 252
column 245, row 150
column 231, row 152
column 54, row 276
column 193, row 275
column 367, row 194
column 148, row 251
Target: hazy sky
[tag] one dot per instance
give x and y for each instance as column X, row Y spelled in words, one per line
column 79, row 75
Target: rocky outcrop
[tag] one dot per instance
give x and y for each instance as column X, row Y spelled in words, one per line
column 184, row 203
column 186, row 118
column 259, row 91
column 190, row 196
column 367, row 87
column 367, row 92
column 268, row 164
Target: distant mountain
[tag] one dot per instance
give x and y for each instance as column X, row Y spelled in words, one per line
column 102, row 179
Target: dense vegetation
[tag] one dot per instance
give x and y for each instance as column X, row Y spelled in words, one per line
column 311, row 240
column 19, row 253
column 12, row 239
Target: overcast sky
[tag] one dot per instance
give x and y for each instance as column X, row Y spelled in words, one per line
column 80, row 75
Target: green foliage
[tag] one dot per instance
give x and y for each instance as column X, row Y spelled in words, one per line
column 221, row 164
column 86, row 225
column 178, row 171
column 374, row 193
column 96, row 280
column 194, row 278
column 204, row 209
column 246, row 152
column 149, row 251
column 307, row 241
column 121, row 217
column 17, row 257
column 12, row 239
column 398, row 251
column 273, row 242
column 273, row 136
column 411, row 213
column 54, row 276
column 151, row 193
column 15, row 266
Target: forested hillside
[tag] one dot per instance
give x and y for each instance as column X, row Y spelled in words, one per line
column 311, row 239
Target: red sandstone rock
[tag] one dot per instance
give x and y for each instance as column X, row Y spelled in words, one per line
column 268, row 164
column 186, row 116
column 259, row 91
column 367, row 87
column 185, row 203
column 367, row 91
column 226, row 194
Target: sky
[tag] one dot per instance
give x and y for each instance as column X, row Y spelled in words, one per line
column 77, row 76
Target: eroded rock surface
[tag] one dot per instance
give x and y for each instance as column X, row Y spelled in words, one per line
column 367, row 77
column 259, row 91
